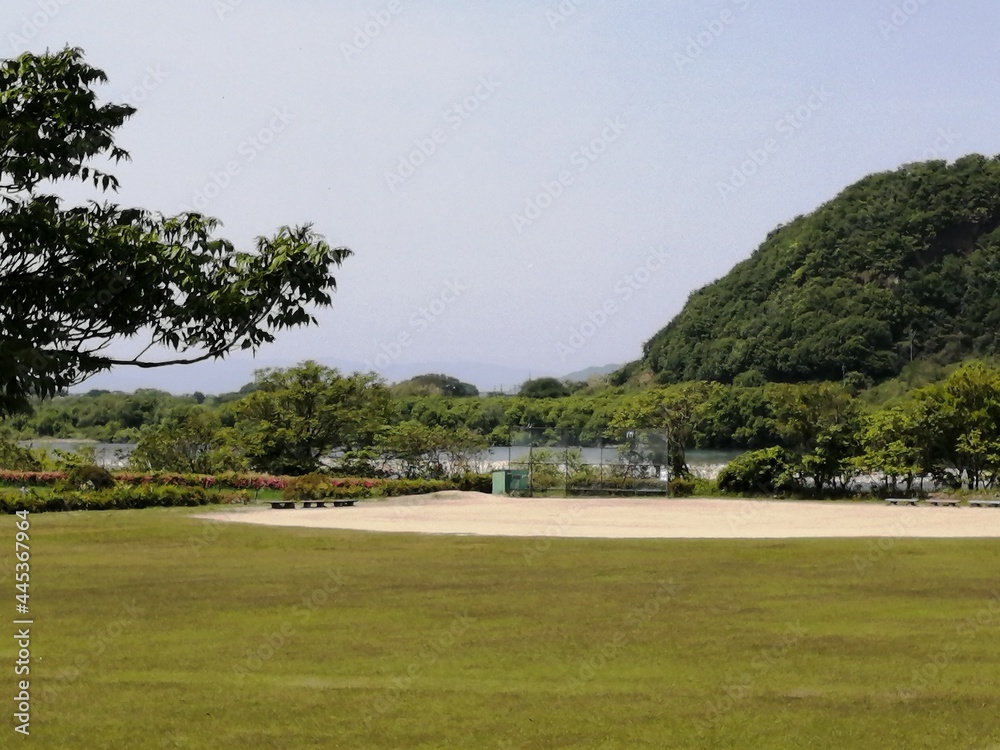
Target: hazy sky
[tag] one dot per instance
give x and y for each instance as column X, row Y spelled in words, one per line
column 528, row 184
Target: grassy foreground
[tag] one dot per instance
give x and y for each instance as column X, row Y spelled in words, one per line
column 155, row 630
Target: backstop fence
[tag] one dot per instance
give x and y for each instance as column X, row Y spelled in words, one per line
column 631, row 461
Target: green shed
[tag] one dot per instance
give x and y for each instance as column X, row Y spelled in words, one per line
column 511, row 480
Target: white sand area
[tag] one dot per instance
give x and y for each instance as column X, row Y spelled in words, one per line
column 474, row 513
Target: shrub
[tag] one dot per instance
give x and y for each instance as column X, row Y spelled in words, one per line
column 119, row 498
column 31, row 478
column 308, row 487
column 705, row 487
column 18, row 458
column 239, row 481
column 236, row 497
column 470, row 482
column 682, row 488
column 166, row 490
column 88, row 476
column 767, row 470
column 397, row 487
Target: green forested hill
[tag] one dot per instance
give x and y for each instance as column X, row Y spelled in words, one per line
column 902, row 264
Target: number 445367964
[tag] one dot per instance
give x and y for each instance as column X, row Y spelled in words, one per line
column 22, row 552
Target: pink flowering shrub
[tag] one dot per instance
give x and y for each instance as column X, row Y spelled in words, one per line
column 31, row 478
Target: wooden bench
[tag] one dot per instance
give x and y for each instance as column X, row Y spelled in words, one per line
column 979, row 502
column 902, row 500
column 290, row 504
column 583, row 490
column 952, row 501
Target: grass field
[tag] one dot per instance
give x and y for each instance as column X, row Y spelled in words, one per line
column 155, row 630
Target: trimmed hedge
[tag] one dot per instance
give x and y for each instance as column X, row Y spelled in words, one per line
column 152, row 491
column 119, row 498
column 227, row 480
column 31, row 478
column 343, row 486
column 355, row 489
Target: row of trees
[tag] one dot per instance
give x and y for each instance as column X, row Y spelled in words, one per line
column 296, row 419
column 825, row 435
column 948, row 431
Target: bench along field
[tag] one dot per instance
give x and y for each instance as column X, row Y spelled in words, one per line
column 158, row 629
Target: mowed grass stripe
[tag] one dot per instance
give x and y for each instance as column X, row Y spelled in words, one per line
column 260, row 637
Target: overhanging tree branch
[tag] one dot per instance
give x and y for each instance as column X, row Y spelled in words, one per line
column 73, row 280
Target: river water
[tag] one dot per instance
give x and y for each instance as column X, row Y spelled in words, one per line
column 701, row 462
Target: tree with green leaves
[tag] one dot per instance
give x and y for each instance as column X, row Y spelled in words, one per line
column 75, row 279
column 434, row 385
column 960, row 420
column 674, row 411
column 410, row 450
column 14, row 457
column 820, row 423
column 300, row 415
column 544, row 388
column 195, row 442
column 890, row 449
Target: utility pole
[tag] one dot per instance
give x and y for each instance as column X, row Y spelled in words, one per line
column 531, row 460
column 668, row 458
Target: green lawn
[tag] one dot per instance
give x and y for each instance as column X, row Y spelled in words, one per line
column 154, row 630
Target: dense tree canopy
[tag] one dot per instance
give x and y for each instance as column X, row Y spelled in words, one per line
column 544, row 388
column 434, row 385
column 73, row 280
column 902, row 265
column 298, row 416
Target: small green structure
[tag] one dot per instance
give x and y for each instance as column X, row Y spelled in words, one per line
column 511, row 480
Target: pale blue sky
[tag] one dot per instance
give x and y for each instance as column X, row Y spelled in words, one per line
column 452, row 258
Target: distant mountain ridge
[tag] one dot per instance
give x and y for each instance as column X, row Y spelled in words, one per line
column 582, row 376
column 901, row 265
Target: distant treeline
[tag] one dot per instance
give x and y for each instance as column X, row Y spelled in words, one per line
column 802, row 436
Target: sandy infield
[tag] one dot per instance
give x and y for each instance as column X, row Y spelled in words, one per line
column 630, row 518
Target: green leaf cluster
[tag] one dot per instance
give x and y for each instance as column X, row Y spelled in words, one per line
column 75, row 279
